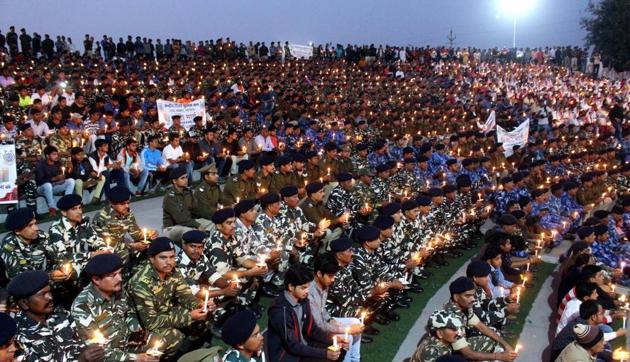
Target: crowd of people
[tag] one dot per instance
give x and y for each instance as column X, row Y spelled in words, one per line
column 334, row 185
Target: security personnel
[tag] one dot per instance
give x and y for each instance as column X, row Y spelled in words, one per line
column 342, row 199
column 164, row 302
column 329, row 163
column 381, row 186
column 116, row 220
column 284, row 176
column 240, row 187
column 102, row 306
column 265, row 175
column 207, row 193
column 315, row 212
column 47, row 333
column 437, row 343
column 242, row 334
column 23, row 248
column 344, row 163
column 8, row 330
column 177, row 207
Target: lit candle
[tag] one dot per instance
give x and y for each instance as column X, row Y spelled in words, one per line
column 67, row 268
column 205, row 300
column 612, row 287
column 524, row 279
column 144, row 233
column 362, row 318
column 624, row 322
column 527, row 269
column 347, row 333
column 155, row 350
column 235, row 282
column 63, row 170
column 335, row 346
column 518, row 348
column 98, row 338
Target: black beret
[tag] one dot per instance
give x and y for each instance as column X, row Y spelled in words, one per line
column 440, row 146
column 244, row 206
column 23, row 127
column 103, row 264
column 570, row 185
column 409, row 205
column 269, row 198
column 461, row 285
column 422, row 158
column 361, row 147
column 518, row 214
column 587, row 177
column 478, row 268
column 435, row 192
column 463, row 181
column 330, row 146
column 383, row 222
column 27, row 283
column 368, row 233
column 617, row 209
column 341, row 244
column 390, row 209
column 177, row 172
column 284, row 160
column 299, row 157
column 518, row 176
column 67, row 202
column 221, row 215
column 19, row 218
column 591, row 221
column 600, row 229
column 311, row 154
column 451, row 161
column 8, row 328
column 448, row 189
column 423, row 200
column 237, row 329
column 557, row 186
column 314, row 187
column 379, row 144
column 523, row 201
column 289, row 191
column 265, row 160
column 506, row 180
column 244, row 165
column 584, row 231
column 194, row 237
column 407, row 161
column 507, row 219
column 344, row 176
column 538, row 192
column 118, row 194
column 467, row 162
column 407, row 150
column 382, row 167
column 159, row 245
column 601, row 214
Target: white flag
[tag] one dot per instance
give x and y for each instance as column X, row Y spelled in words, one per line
column 490, row 124
column 519, row 136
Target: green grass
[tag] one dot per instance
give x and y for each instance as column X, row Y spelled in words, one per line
column 527, row 301
column 386, row 344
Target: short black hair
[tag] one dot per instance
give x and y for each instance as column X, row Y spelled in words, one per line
column 298, row 274
column 491, row 252
column 327, row 264
column 75, row 150
column 50, row 149
column 589, row 309
column 583, row 290
column 589, row 271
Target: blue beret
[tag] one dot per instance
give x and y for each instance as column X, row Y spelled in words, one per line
column 67, row 202
column 467, row 162
column 245, row 165
column 478, row 268
column 368, row 233
column 265, row 160
column 585, row 231
column 341, row 244
column 221, row 215
column 103, row 264
column 8, row 328
column 409, row 205
column 159, row 245
column 314, row 187
column 238, row 328
column 518, row 214
column 289, row 191
column 244, row 206
column 284, row 160
column 461, row 285
column 118, row 194
column 27, row 283
column 383, row 222
column 194, row 237
column 344, row 176
column 269, row 198
column 423, row 200
column 19, row 218
column 390, row 209
column 382, row 167
column 177, row 172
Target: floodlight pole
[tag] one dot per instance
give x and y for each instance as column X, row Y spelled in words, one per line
column 514, row 33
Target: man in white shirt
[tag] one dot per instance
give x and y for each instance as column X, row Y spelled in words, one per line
column 174, row 156
column 583, row 292
column 263, row 140
column 40, row 128
column 43, row 95
column 102, row 165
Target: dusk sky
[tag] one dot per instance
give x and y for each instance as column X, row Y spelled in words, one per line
column 477, row 23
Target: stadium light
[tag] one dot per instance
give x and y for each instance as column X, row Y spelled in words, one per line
column 515, row 8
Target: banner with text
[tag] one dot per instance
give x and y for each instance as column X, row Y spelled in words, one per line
column 518, row 136
column 8, row 175
column 301, row 51
column 188, row 111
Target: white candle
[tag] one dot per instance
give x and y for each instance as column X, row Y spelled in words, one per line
column 527, row 268
column 347, row 333
column 518, row 348
column 144, row 232
column 362, row 318
column 518, row 296
column 335, row 345
column 262, row 356
column 205, row 301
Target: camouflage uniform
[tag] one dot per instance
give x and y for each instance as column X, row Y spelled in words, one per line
column 114, row 317
column 28, row 151
column 196, row 273
column 233, row 355
column 467, row 319
column 295, row 225
column 345, row 295
column 19, row 256
column 63, row 145
column 72, row 244
column 270, row 235
column 359, row 163
column 430, row 349
column 109, row 225
column 55, row 341
column 163, row 305
column 490, row 310
column 381, row 189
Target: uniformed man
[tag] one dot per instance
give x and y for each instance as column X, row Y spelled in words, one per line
column 8, row 330
column 178, row 206
column 240, row 187
column 312, row 167
column 116, row 223
column 242, row 334
column 315, row 212
column 344, row 163
column 459, row 308
column 28, row 149
column 165, row 304
column 442, row 333
column 284, row 176
column 380, row 185
column 329, row 162
column 359, row 159
column 342, row 201
column 23, row 247
column 47, row 333
column 273, row 237
column 265, row 175
column 102, row 310
column 207, row 193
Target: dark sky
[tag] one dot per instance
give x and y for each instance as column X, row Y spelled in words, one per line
column 477, row 23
